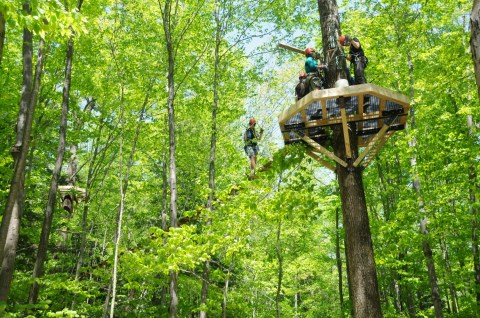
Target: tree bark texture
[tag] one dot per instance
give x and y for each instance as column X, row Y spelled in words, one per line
column 361, row 262
column 472, row 177
column 118, row 233
column 475, row 41
column 225, row 292
column 19, row 156
column 358, row 245
column 453, row 303
column 2, row 36
column 124, row 179
column 279, row 253
column 10, row 228
column 475, row 225
column 166, row 15
column 339, row 259
column 432, row 275
column 164, row 192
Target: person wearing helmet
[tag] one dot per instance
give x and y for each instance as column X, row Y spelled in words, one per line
column 314, row 79
column 357, row 57
column 251, row 138
column 301, row 89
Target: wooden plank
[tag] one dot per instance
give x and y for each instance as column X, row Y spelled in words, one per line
column 360, row 105
column 389, row 94
column 371, row 144
column 346, row 136
column 324, row 109
column 291, row 48
column 322, row 161
column 304, row 115
column 377, row 148
column 323, row 150
column 381, row 109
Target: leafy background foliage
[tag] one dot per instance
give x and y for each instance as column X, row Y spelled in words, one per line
column 288, row 214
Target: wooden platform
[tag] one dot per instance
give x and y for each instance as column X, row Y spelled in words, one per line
column 310, row 118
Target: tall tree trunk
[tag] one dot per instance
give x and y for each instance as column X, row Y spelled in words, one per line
column 10, row 228
column 359, row 248
column 472, row 177
column 19, row 154
column 52, row 195
column 164, row 192
column 70, row 198
column 2, row 36
column 225, row 290
column 475, row 41
column 123, row 191
column 166, row 15
column 339, row 260
column 83, row 237
column 118, row 232
column 278, row 250
column 296, row 297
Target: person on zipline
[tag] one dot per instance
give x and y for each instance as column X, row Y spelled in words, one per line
column 251, row 139
column 357, row 57
column 312, row 68
column 301, row 88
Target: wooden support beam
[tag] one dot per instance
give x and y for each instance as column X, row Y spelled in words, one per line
column 371, row 144
column 323, row 150
column 303, row 113
column 291, row 48
column 322, row 161
column 380, row 110
column 377, row 148
column 346, row 136
column 323, row 103
column 360, row 106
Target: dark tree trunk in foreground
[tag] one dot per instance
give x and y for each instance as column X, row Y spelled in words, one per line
column 358, row 243
column 19, row 153
column 475, row 225
column 475, row 48
column 52, row 195
column 10, row 228
column 2, row 35
column 472, row 177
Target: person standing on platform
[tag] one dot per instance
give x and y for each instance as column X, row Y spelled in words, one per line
column 301, row 88
column 312, row 68
column 357, row 57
